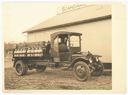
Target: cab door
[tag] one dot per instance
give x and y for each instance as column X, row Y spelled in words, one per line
column 64, row 49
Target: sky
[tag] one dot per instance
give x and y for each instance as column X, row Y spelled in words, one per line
column 19, row 17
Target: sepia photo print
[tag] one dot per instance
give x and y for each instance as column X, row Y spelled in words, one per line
column 57, row 46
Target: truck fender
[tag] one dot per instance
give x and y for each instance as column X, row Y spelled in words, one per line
column 79, row 59
column 14, row 62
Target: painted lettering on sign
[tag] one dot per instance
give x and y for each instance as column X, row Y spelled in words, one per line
column 68, row 8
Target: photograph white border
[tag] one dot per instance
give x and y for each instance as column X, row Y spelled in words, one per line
column 118, row 32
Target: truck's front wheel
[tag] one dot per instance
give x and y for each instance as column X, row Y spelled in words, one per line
column 81, row 71
column 21, row 68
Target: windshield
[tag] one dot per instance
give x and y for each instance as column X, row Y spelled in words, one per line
column 74, row 41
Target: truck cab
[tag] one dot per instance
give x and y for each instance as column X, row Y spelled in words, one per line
column 64, row 44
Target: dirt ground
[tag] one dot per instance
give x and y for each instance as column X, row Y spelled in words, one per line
column 53, row 79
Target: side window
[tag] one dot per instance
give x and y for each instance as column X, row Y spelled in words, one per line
column 59, row 40
column 74, row 41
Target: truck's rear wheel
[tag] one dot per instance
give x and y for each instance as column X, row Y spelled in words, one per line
column 21, row 68
column 41, row 68
column 81, row 71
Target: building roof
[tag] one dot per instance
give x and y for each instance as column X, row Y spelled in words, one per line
column 86, row 14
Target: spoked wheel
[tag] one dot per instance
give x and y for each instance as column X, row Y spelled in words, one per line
column 81, row 71
column 21, row 68
column 41, row 68
column 99, row 70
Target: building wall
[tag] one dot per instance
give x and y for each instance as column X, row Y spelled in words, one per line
column 96, row 37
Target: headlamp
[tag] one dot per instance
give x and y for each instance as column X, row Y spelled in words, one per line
column 90, row 60
column 97, row 59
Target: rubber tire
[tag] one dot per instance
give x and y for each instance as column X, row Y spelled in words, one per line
column 86, row 68
column 98, row 72
column 41, row 69
column 23, row 66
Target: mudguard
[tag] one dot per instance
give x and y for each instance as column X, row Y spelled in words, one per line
column 82, row 58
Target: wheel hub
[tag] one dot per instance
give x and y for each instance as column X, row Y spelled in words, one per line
column 80, row 71
column 19, row 68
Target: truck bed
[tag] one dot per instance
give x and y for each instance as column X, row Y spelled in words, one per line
column 35, row 49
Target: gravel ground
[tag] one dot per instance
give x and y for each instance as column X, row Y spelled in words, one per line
column 53, row 79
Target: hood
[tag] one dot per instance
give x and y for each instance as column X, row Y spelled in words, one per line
column 81, row 54
column 85, row 54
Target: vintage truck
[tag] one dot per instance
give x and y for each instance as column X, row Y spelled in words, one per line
column 64, row 49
